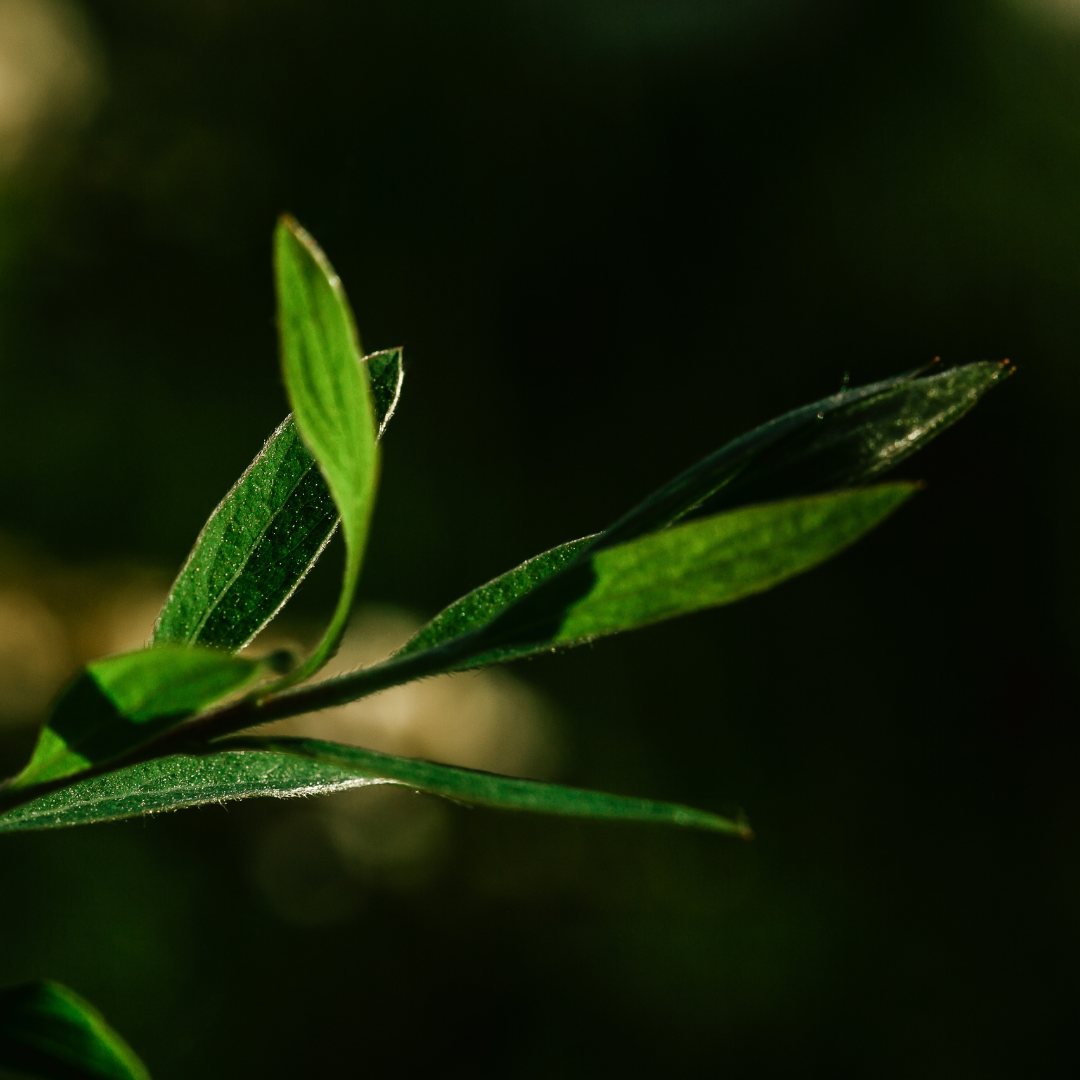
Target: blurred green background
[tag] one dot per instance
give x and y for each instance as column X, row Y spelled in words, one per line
column 611, row 235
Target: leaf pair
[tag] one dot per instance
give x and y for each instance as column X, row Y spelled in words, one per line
column 765, row 507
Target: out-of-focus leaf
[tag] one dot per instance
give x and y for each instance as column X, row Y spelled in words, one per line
column 121, row 702
column 834, row 443
column 242, row 768
column 264, row 536
column 331, row 398
column 48, row 1031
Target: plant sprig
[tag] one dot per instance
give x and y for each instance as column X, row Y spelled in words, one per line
column 157, row 729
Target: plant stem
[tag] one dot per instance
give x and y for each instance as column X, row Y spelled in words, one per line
column 196, row 736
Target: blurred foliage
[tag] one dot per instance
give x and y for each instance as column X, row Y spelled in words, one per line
column 610, row 237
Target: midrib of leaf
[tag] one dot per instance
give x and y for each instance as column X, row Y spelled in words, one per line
column 261, row 533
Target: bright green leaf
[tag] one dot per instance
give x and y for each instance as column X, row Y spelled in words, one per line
column 703, row 563
column 331, row 398
column 48, row 1031
column 121, row 702
column 264, row 536
column 242, row 768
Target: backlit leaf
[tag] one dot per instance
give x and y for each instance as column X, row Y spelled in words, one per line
column 699, row 564
column 331, row 398
column 47, row 1030
column 242, row 768
column 482, row 604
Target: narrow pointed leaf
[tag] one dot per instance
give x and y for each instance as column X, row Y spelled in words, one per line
column 121, row 702
column 49, row 1031
column 264, row 537
column 834, row 443
column 242, row 768
column 840, row 441
column 331, row 397
column 860, row 437
column 699, row 564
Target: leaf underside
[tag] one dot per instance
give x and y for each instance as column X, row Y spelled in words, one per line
column 242, row 768
column 49, row 1031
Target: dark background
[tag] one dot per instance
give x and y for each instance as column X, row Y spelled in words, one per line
column 610, row 235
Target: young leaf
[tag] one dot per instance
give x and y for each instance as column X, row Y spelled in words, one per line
column 47, row 1030
column 331, row 399
column 242, row 768
column 121, row 702
column 264, row 536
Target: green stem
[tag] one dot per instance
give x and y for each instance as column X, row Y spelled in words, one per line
column 195, row 736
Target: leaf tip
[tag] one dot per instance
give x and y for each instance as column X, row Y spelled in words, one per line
column 288, row 228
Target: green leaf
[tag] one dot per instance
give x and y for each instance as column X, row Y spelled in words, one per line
column 242, row 768
column 837, row 442
column 121, row 702
column 48, row 1031
column 484, row 603
column 332, row 404
column 699, row 564
column 264, row 536
column 703, row 563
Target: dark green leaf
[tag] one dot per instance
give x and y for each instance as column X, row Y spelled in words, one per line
column 121, row 702
column 264, row 536
column 242, row 768
column 330, row 394
column 834, row 443
column 49, row 1031
column 484, row 603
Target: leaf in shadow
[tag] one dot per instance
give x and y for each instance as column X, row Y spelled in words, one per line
column 842, row 440
column 47, row 1030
